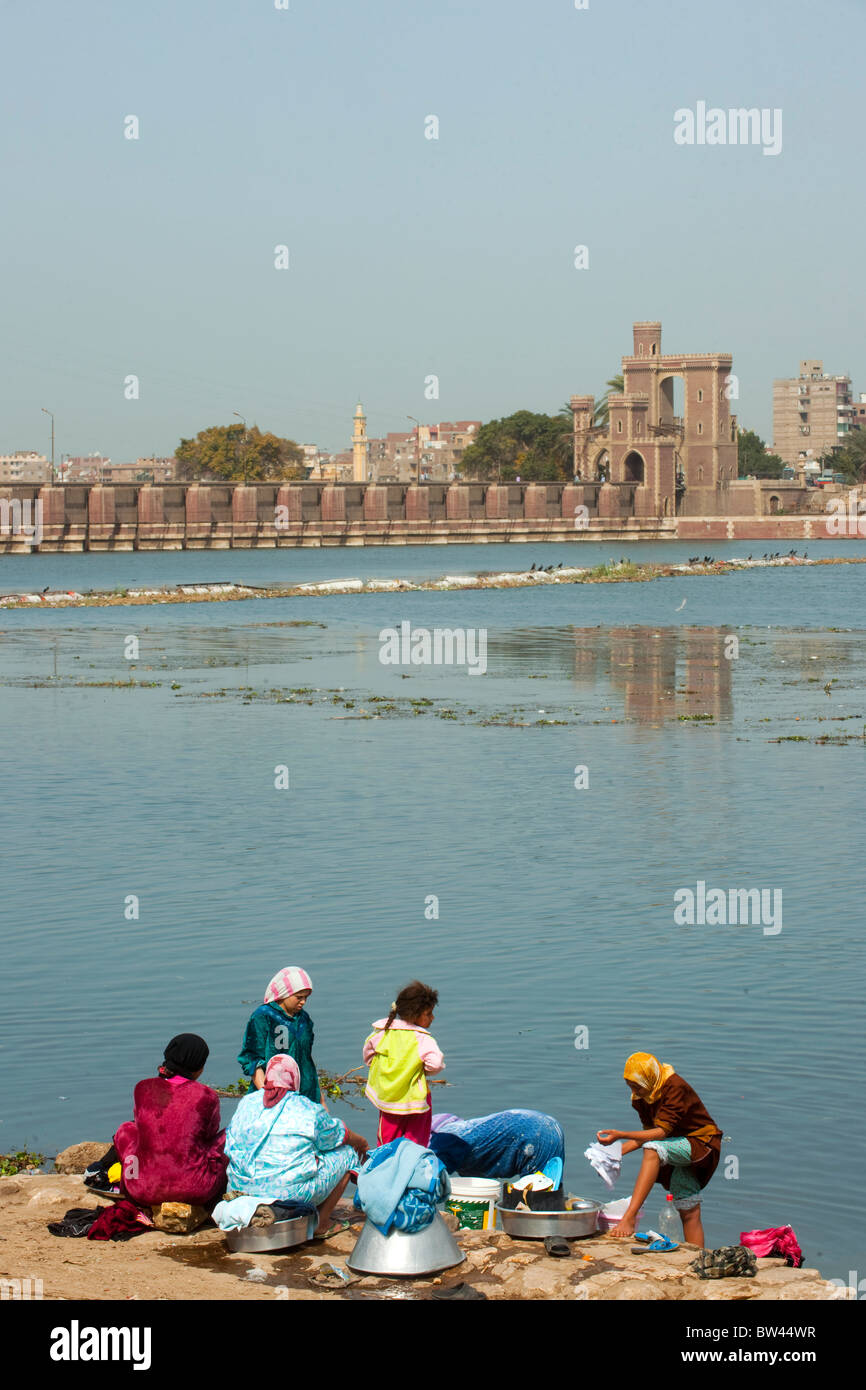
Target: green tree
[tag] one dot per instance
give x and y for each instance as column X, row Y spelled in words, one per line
column 850, row 459
column 753, row 459
column 527, row 445
column 239, row 455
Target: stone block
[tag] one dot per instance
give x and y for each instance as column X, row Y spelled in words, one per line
column 178, row 1218
column 496, row 501
column 417, row 503
column 457, row 502
column 333, row 503
column 375, row 503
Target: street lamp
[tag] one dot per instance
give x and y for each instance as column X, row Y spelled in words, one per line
column 418, row 423
column 51, row 413
column 240, row 417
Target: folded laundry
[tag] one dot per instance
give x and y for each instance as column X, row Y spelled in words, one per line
column 606, row 1159
column 727, row 1262
column 288, row 1211
column 400, row 1186
column 234, row 1214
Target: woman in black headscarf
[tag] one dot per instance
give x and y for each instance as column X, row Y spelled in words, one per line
column 172, row 1151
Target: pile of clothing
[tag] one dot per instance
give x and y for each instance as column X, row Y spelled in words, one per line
column 400, row 1186
column 120, row 1221
column 236, row 1211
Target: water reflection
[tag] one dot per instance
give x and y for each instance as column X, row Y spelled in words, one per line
column 681, row 673
column 662, row 674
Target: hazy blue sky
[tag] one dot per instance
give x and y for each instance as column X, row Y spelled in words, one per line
column 411, row 256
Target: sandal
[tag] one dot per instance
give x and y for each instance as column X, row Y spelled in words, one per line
column 459, row 1293
column 557, row 1247
column 333, row 1230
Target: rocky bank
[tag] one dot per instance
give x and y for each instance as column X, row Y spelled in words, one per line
column 159, row 1265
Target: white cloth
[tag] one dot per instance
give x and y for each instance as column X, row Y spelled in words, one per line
column 606, row 1159
column 237, row 1213
column 533, row 1182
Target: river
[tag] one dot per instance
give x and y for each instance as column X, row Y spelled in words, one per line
column 448, row 841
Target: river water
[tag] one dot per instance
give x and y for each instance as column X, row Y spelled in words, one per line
column 413, row 784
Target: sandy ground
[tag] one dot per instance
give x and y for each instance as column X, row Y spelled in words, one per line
column 198, row 1266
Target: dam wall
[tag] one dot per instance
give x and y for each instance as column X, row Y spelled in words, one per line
column 231, row 516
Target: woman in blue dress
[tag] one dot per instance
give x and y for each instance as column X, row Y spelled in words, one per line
column 282, row 1025
column 282, row 1147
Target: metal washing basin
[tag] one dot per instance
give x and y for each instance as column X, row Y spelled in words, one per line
column 400, row 1254
column 581, row 1220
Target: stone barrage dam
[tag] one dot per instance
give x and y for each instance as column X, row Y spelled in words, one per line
column 229, row 516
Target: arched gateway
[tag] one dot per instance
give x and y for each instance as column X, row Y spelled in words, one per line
column 670, row 462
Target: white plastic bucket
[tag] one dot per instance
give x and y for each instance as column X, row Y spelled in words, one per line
column 473, row 1202
column 613, row 1212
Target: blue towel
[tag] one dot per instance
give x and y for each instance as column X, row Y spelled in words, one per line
column 400, row 1186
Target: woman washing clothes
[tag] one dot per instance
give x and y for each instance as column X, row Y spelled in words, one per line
column 282, row 1025
column 681, row 1142
column 283, row 1147
column 172, row 1150
column 507, row 1144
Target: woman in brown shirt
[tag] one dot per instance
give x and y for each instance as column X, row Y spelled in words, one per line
column 681, row 1142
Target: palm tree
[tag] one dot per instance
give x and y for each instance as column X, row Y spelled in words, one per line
column 601, row 408
column 563, row 449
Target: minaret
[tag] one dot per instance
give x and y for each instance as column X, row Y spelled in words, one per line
column 359, row 446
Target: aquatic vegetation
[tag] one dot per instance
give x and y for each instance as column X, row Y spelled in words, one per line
column 21, row 1162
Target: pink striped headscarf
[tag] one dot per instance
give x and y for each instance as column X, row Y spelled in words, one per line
column 286, row 982
column 283, row 1074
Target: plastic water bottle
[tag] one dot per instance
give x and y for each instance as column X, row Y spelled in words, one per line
column 669, row 1222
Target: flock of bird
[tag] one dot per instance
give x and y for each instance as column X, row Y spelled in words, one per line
column 693, row 560
column 710, row 560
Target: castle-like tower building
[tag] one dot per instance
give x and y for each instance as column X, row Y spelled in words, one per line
column 673, row 463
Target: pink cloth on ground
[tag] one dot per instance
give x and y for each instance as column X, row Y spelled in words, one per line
column 776, row 1240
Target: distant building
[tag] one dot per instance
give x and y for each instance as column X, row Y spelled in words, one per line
column 858, row 413
column 83, row 468
column 813, row 414
column 441, row 447
column 144, row 470
column 24, row 467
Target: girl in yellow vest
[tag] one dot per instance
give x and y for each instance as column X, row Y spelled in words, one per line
column 401, row 1053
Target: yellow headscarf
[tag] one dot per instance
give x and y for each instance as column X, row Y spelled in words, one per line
column 647, row 1072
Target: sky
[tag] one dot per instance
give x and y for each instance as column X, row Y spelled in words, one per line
column 411, row 258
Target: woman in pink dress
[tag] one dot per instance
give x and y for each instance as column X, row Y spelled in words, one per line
column 172, row 1151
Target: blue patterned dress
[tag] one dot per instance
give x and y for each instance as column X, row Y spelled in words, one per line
column 291, row 1151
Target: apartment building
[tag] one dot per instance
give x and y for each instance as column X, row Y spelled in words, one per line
column 144, row 470
column 813, row 413
column 441, row 447
column 24, row 467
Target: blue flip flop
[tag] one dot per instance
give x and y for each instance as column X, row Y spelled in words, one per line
column 656, row 1244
